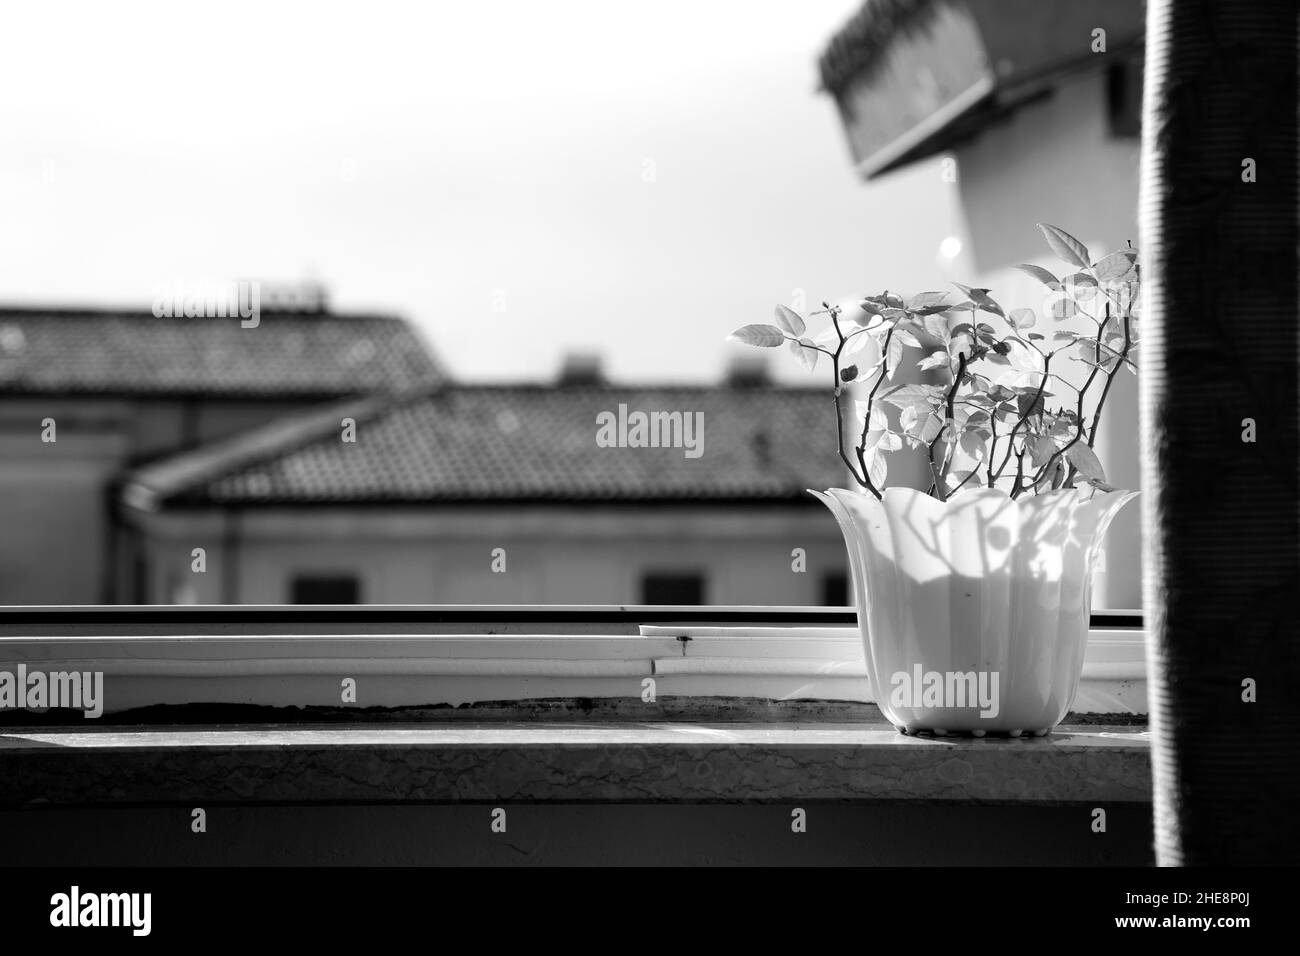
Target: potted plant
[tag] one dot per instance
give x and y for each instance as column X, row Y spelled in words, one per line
column 974, row 596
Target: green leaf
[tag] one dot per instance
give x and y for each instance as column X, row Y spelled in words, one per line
column 848, row 374
column 956, row 479
column 1063, row 308
column 906, row 337
column 1022, row 318
column 1026, row 360
column 934, row 360
column 1079, row 280
column 882, row 302
column 1085, row 461
column 1042, row 275
column 931, row 428
column 1041, row 450
column 763, row 336
column 895, row 355
column 877, row 470
column 973, row 443
column 790, row 320
column 1115, row 266
column 1066, row 248
column 926, row 301
column 1107, row 363
column 869, row 373
column 1029, row 402
column 937, row 326
column 888, row 441
column 854, row 343
column 901, row 396
column 1062, row 428
column 980, row 299
column 1000, row 393
column 805, row 351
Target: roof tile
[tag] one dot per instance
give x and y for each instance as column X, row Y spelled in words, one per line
column 513, row 443
column 68, row 351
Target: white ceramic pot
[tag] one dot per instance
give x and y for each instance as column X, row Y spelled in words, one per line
column 974, row 612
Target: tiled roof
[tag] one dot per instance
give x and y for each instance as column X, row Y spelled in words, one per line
column 289, row 354
column 512, row 443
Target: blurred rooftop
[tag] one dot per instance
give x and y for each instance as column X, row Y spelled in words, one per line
column 319, row 355
column 512, row 443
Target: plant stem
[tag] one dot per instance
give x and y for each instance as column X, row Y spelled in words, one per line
column 1060, row 452
column 971, row 474
column 1042, row 387
column 871, row 396
column 941, row 471
column 993, row 446
column 1123, row 357
column 864, row 479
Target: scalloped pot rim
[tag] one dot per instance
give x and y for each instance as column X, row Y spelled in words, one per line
column 898, row 499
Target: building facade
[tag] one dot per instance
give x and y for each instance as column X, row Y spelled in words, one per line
column 503, row 495
column 87, row 395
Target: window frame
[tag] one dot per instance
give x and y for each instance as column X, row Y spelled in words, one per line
column 421, row 656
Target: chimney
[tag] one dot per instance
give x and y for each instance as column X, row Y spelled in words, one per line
column 581, row 368
column 308, row 297
column 746, row 370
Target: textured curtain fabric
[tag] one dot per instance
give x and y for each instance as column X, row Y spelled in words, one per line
column 1220, row 342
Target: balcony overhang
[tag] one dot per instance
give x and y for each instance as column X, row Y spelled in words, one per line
column 913, row 79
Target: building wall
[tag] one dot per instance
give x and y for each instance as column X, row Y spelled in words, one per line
column 1056, row 161
column 53, row 532
column 55, row 521
column 160, row 426
column 553, row 555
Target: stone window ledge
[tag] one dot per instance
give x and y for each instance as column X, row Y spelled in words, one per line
column 611, row 759
column 462, row 705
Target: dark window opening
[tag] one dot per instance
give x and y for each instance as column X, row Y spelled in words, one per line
column 835, row 590
column 326, row 589
column 1124, row 93
column 139, row 565
column 674, row 588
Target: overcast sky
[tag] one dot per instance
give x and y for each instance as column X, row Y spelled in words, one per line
column 519, row 179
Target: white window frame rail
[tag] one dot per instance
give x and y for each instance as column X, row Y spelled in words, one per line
column 401, row 657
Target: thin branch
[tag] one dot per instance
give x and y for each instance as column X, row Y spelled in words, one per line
column 884, row 373
column 1038, row 397
column 940, row 471
column 969, row 475
column 1110, row 376
column 864, row 479
column 993, row 446
column 1060, row 452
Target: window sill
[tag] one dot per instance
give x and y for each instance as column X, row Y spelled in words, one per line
column 614, row 705
column 542, row 761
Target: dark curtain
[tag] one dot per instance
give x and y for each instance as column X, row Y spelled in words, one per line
column 1222, row 528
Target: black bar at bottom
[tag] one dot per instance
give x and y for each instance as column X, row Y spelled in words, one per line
column 475, row 908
